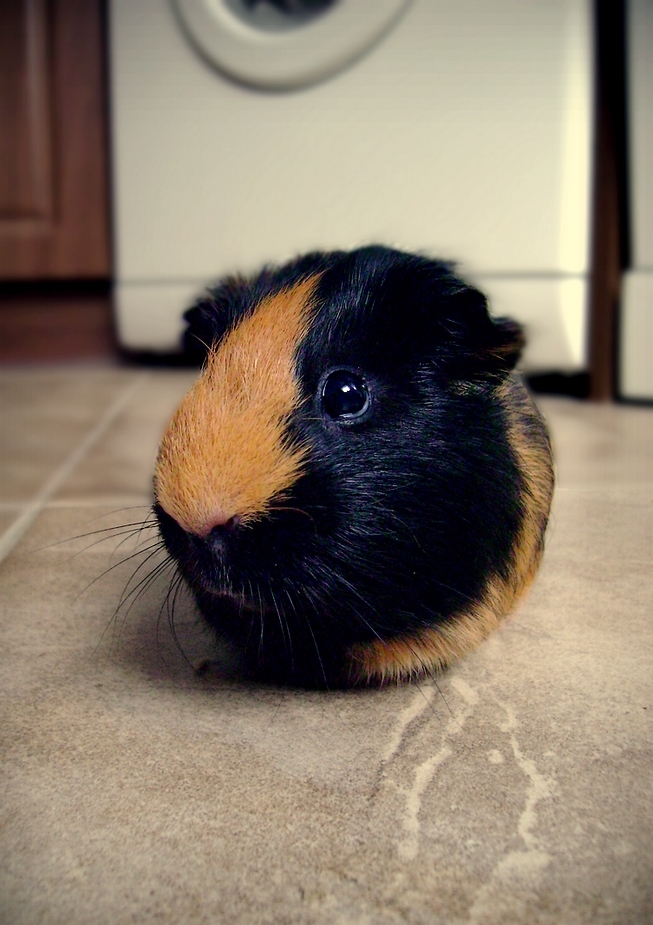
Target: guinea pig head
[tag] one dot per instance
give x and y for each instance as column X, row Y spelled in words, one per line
column 356, row 487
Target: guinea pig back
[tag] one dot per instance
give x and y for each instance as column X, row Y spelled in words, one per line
column 356, row 488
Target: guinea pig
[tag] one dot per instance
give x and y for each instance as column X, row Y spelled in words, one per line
column 356, row 488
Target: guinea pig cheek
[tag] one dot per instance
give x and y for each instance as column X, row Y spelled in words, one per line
column 226, row 453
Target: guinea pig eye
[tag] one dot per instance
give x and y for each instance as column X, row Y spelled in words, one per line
column 345, row 396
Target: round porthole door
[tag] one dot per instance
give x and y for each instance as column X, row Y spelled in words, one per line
column 286, row 44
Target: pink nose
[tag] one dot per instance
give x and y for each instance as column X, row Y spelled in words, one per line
column 219, row 526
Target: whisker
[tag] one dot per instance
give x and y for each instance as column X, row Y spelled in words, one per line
column 143, row 583
column 171, row 606
column 260, row 641
column 108, row 530
column 317, row 651
column 155, row 546
column 140, row 589
column 165, row 605
column 252, row 615
column 451, row 713
column 126, row 534
column 129, row 591
column 310, row 600
column 294, row 608
column 285, row 629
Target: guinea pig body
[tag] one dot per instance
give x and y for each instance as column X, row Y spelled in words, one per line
column 357, row 487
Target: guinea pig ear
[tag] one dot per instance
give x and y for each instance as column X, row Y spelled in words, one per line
column 213, row 315
column 224, row 304
column 479, row 346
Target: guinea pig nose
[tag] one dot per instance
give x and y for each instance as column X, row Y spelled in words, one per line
column 221, row 530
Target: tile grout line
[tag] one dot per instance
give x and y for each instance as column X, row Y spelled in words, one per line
column 15, row 507
column 23, row 522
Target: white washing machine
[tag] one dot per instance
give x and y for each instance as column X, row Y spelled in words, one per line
column 248, row 131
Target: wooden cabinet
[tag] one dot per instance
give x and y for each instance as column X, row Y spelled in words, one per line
column 54, row 213
column 55, row 255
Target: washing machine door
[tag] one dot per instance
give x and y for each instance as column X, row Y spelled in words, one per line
column 285, row 44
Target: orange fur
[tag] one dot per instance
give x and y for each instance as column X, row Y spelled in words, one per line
column 226, row 452
column 433, row 649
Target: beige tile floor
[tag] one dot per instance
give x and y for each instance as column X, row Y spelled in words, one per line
column 517, row 789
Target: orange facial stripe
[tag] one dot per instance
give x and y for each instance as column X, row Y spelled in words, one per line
column 226, row 452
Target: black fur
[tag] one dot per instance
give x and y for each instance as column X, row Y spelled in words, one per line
column 400, row 517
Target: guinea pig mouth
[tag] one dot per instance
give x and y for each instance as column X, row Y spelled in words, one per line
column 237, row 601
